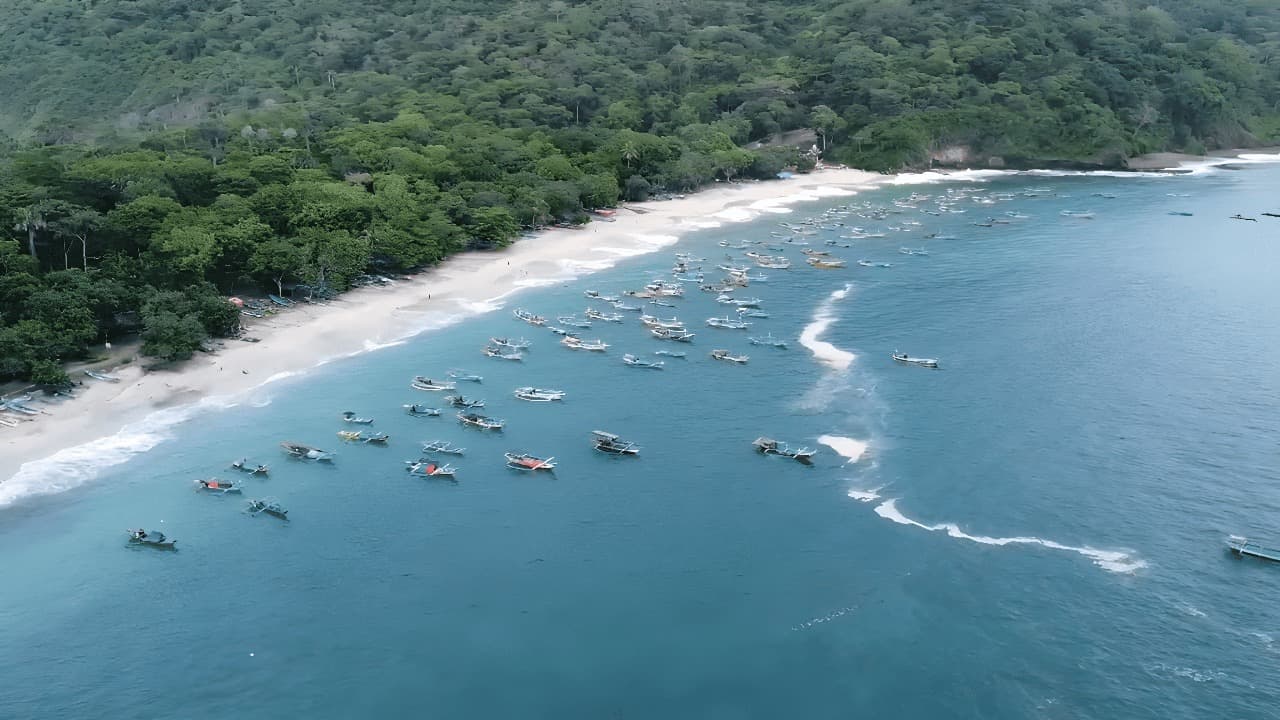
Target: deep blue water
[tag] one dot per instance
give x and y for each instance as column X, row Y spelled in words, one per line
column 1105, row 414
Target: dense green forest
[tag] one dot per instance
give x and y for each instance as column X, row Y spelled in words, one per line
column 156, row 155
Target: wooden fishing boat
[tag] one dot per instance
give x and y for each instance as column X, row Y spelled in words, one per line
column 424, row 467
column 727, row 357
column 533, row 394
column 1241, row 547
column 359, row 436
column 421, row 411
column 769, row 446
column 528, row 463
column 529, row 317
column 727, row 324
column 634, row 361
column 824, row 264
column 510, row 343
column 217, row 487
column 459, row 401
column 267, row 506
column 151, row 539
column 769, row 340
column 244, row 466
column 908, row 360
column 464, row 376
column 442, row 446
column 501, row 354
column 668, row 334
column 304, row 452
column 477, row 420
column 425, row 383
column 612, row 444
column 351, row 417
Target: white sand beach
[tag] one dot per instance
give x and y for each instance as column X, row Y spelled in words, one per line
column 33, row 455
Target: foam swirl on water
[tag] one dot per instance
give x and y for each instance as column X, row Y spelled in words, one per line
column 1112, row 560
column 826, row 353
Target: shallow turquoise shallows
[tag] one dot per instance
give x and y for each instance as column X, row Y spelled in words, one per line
column 1036, row 528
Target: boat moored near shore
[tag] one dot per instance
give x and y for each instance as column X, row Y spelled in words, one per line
column 769, row 446
column 908, row 360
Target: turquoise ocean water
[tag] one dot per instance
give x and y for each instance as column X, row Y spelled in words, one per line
column 1035, row 529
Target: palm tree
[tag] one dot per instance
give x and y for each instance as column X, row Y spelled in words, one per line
column 31, row 221
column 629, row 153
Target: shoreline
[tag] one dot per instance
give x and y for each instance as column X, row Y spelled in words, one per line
column 47, row 454
column 107, row 424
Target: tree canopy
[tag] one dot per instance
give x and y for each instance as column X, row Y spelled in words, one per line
column 149, row 148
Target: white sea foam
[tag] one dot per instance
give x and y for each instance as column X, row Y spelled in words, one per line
column 866, row 496
column 1112, row 560
column 826, row 353
column 479, row 307
column 848, row 448
column 931, row 177
column 526, row 283
column 838, row 613
column 74, row 466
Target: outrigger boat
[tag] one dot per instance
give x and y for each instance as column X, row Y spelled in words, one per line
column 533, row 394
column 824, row 264
column 421, row 411
column 619, row 305
column 442, row 446
column 426, row 383
column 594, row 295
column 304, row 452
column 650, row 321
column 612, row 444
column 724, row 355
column 244, row 466
column 496, row 352
column 268, row 506
column 661, row 303
column 634, row 361
column 560, row 331
column 359, row 436
column 464, row 376
column 669, row 353
column 529, row 317
column 351, row 417
column 528, row 463
column 669, row 334
column 152, row 539
column 922, row 362
column 728, row 324
column 477, row 420
column 520, row 344
column 424, row 467
column 774, row 263
column 769, row 340
column 752, row 313
column 1243, row 548
column 573, row 321
column 866, row 263
column 606, row 317
column 574, row 343
column 769, row 446
column 459, row 401
column 102, row 376
column 220, row 487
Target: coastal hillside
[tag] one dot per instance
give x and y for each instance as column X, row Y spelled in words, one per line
column 157, row 156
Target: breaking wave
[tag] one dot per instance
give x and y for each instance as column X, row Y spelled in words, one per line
column 826, row 353
column 1111, row 560
column 74, row 466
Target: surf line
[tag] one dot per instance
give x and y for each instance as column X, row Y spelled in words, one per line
column 823, row 317
column 1116, row 561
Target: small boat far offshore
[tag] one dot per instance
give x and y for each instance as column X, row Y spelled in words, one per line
column 1241, row 547
column 908, row 360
